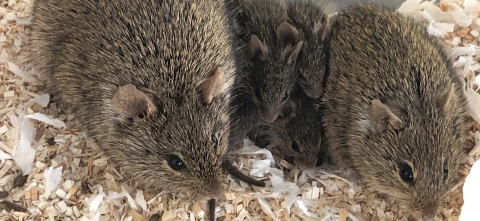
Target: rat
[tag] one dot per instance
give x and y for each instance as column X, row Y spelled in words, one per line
column 150, row 82
column 312, row 19
column 270, row 53
column 300, row 135
column 259, row 135
column 394, row 109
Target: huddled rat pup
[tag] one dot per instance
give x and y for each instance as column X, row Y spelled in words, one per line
column 299, row 136
column 149, row 82
column 259, row 135
column 270, row 54
column 395, row 109
column 311, row 18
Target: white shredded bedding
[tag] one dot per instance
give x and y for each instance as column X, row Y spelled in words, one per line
column 67, row 178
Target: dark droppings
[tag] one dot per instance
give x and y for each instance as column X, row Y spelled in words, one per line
column 19, row 181
column 4, row 194
column 51, row 141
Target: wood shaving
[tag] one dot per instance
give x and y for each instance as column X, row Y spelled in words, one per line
column 69, row 179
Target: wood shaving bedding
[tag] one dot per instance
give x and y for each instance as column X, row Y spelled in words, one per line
column 49, row 171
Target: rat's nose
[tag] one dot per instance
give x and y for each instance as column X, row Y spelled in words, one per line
column 287, row 112
column 268, row 116
column 306, row 163
column 428, row 217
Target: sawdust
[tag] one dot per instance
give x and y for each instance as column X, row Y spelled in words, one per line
column 48, row 170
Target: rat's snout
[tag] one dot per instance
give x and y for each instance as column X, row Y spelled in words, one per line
column 306, row 163
column 428, row 213
column 262, row 142
column 213, row 196
column 268, row 116
column 314, row 91
column 213, row 193
column 288, row 111
column 428, row 217
column 211, row 188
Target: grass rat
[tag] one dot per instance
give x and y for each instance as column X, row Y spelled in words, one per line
column 311, row 18
column 271, row 50
column 148, row 80
column 395, row 110
column 299, row 136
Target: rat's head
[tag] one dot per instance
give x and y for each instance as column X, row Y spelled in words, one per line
column 173, row 145
column 312, row 59
column 414, row 156
column 273, row 71
column 298, row 137
column 260, row 135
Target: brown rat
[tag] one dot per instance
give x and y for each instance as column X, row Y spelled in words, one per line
column 395, row 110
column 311, row 18
column 148, row 81
column 299, row 136
column 272, row 47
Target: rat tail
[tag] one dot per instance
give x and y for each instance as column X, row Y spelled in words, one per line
column 228, row 166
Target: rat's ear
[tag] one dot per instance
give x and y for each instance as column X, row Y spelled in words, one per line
column 322, row 28
column 290, row 54
column 212, row 86
column 447, row 99
column 286, row 34
column 132, row 103
column 257, row 48
column 381, row 116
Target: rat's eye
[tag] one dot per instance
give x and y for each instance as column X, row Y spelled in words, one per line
column 148, row 152
column 175, row 162
column 214, row 141
column 258, row 94
column 445, row 173
column 406, row 173
column 285, row 96
column 295, row 146
column 142, row 115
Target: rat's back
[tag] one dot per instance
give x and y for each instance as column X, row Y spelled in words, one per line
column 142, row 77
column 153, row 43
column 394, row 107
column 375, row 53
column 311, row 17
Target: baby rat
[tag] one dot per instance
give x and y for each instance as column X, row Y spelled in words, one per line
column 272, row 47
column 148, row 80
column 259, row 135
column 271, row 53
column 395, row 110
column 311, row 19
column 300, row 136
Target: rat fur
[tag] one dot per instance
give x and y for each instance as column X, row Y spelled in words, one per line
column 270, row 54
column 312, row 19
column 148, row 80
column 299, row 136
column 395, row 109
